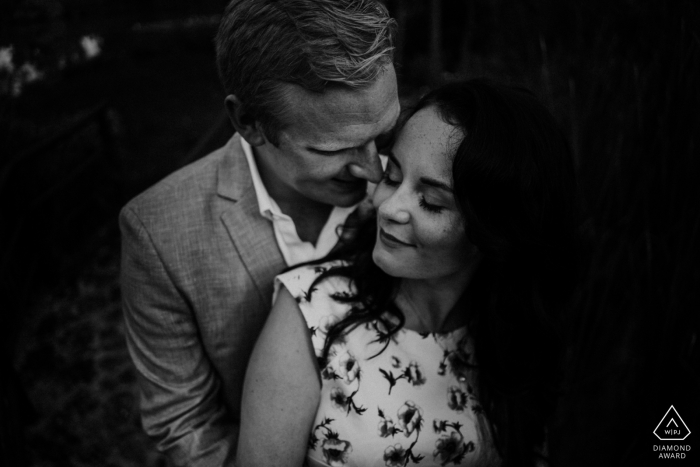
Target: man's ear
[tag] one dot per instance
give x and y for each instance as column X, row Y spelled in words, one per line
column 244, row 123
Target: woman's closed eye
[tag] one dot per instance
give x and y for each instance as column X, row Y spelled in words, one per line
column 392, row 177
column 433, row 208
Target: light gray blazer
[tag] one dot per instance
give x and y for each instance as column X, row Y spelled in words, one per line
column 198, row 263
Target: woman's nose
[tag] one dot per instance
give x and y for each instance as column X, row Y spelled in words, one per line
column 394, row 208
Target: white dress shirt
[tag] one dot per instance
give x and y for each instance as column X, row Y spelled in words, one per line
column 293, row 249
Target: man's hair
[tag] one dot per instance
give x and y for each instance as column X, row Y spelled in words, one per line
column 311, row 43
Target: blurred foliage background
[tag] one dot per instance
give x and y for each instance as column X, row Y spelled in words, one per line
column 99, row 99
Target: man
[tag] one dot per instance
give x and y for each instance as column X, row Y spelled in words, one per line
column 311, row 91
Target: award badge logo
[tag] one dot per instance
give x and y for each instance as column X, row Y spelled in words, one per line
column 672, row 428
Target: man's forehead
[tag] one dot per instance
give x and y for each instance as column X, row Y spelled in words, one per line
column 341, row 105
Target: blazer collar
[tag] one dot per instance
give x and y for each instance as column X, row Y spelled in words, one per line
column 252, row 235
column 233, row 177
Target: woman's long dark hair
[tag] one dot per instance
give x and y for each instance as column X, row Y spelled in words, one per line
column 514, row 184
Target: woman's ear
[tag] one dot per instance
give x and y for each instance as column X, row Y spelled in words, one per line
column 245, row 124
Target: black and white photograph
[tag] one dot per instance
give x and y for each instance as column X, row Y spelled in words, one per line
column 349, row 233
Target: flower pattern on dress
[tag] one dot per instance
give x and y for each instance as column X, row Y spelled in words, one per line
column 339, row 399
column 336, row 451
column 306, row 295
column 450, row 447
column 342, row 365
column 394, row 456
column 408, row 377
column 348, row 368
column 458, row 361
column 398, row 456
column 457, row 399
column 410, row 418
column 386, row 426
column 414, row 374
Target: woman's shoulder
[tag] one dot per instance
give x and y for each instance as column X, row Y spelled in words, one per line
column 321, row 302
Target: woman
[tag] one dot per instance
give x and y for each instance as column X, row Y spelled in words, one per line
column 432, row 338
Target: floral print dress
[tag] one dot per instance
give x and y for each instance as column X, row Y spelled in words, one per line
column 404, row 400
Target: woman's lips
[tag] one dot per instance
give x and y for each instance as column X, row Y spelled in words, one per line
column 391, row 241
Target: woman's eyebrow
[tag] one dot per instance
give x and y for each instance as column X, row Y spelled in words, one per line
column 435, row 183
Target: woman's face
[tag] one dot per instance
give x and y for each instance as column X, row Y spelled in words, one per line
column 420, row 232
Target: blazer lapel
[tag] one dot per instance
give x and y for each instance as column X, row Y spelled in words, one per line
column 252, row 234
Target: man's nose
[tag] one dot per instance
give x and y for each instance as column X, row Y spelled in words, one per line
column 367, row 165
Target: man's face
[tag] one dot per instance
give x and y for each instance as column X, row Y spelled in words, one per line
column 327, row 148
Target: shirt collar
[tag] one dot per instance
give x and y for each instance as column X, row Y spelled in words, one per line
column 266, row 204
